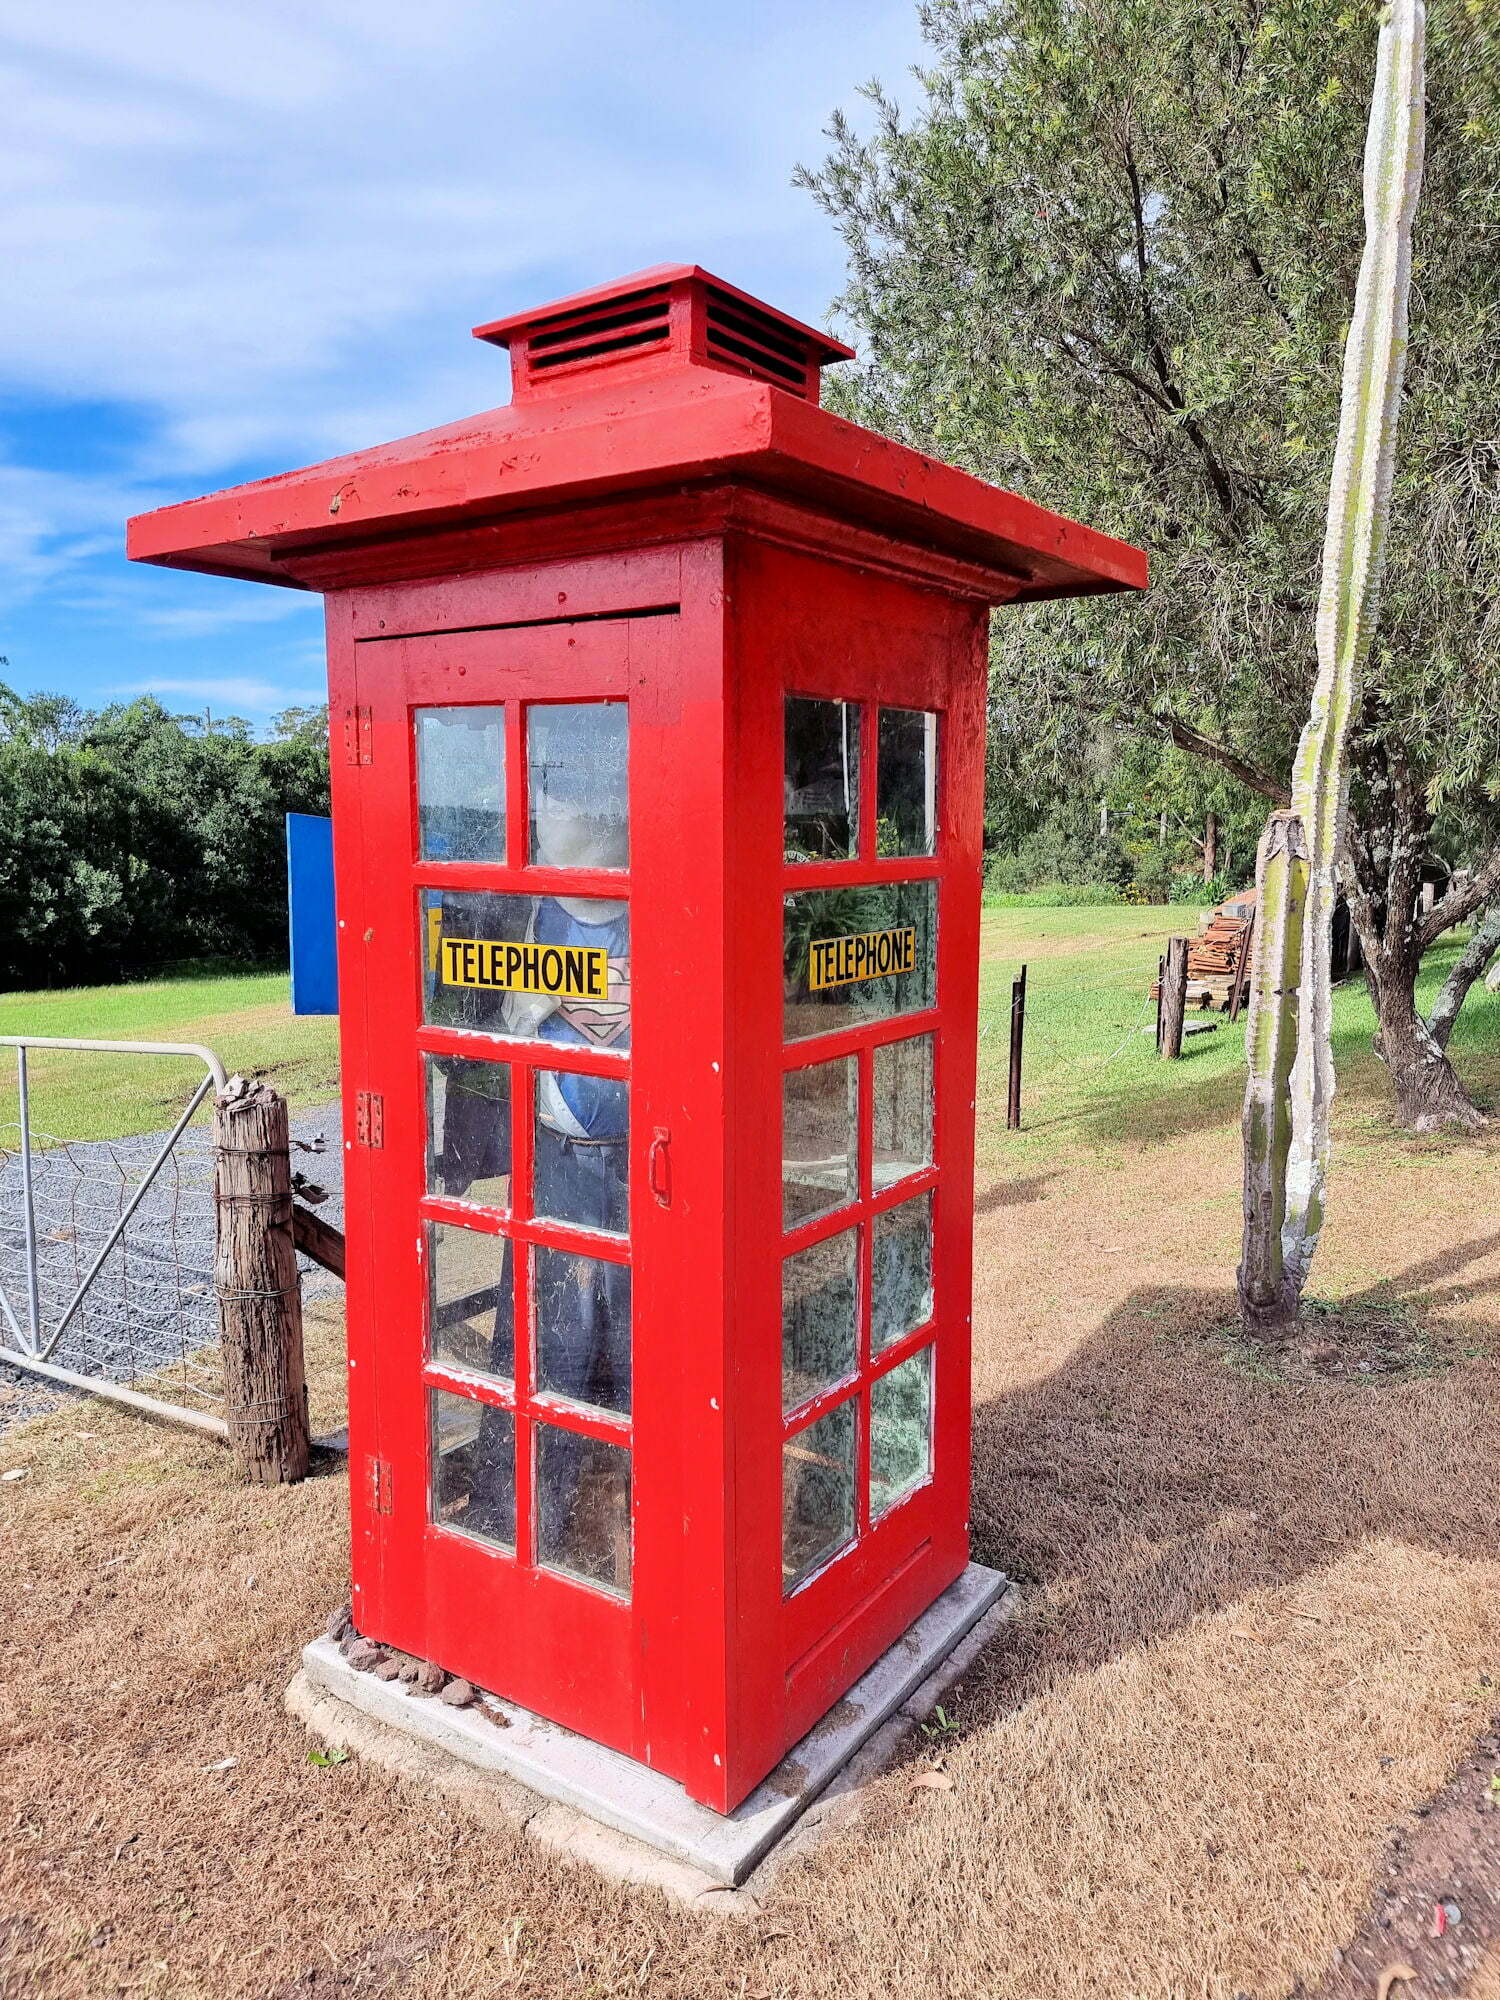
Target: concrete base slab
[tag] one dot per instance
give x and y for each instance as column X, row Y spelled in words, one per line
column 598, row 1796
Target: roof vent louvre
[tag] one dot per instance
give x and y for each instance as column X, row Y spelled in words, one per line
column 741, row 336
column 676, row 316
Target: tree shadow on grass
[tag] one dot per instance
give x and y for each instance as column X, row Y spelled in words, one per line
column 1150, row 1484
column 1013, row 1193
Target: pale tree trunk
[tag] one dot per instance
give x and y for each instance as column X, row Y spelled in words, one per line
column 1476, row 955
column 1210, row 845
column 1430, row 1097
column 1382, row 879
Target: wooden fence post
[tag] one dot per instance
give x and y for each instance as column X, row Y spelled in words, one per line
column 1017, row 1037
column 258, row 1287
column 1174, row 997
column 1242, row 970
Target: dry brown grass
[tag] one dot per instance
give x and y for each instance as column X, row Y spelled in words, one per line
column 1263, row 1629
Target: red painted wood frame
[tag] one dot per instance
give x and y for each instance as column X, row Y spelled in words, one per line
column 805, row 625
column 709, row 1672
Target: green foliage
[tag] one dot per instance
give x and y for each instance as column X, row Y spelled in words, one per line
column 133, row 839
column 1107, row 260
column 1202, row 895
column 1053, row 896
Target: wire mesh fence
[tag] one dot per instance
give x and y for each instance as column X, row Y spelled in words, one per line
column 148, row 1319
column 107, row 1251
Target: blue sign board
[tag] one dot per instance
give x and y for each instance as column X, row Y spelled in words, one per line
column 309, row 874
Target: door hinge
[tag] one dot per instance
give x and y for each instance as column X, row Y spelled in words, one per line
column 357, row 736
column 369, row 1118
column 380, row 1485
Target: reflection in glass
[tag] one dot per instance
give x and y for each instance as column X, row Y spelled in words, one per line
column 817, row 1493
column 577, row 947
column 819, row 1120
column 582, row 1312
column 473, row 1468
column 906, row 782
column 581, row 1164
column 577, row 753
column 583, row 1508
column 901, row 1274
column 821, row 779
column 460, row 784
column 900, row 1431
column 855, row 955
column 470, row 1317
column 818, row 1317
column 903, row 1110
column 468, row 1130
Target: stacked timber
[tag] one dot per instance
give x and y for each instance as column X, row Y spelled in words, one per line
column 1214, row 955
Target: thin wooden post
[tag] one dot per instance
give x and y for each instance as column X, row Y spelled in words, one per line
column 259, row 1290
column 1174, row 997
column 1161, row 994
column 1017, row 1038
column 1242, row 970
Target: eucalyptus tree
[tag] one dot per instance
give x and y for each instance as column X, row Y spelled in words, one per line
column 1108, row 260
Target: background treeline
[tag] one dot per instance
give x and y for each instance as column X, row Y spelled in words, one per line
column 132, row 839
column 1085, row 813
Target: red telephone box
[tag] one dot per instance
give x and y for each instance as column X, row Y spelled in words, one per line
column 658, row 705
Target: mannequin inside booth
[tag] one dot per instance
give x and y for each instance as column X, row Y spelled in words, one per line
column 580, row 1166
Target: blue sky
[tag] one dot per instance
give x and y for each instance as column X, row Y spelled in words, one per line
column 241, row 238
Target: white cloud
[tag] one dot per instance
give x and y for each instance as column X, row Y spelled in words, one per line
column 237, row 692
column 267, row 231
column 261, row 221
column 53, row 524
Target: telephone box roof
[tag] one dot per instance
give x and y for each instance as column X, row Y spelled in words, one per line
column 662, row 380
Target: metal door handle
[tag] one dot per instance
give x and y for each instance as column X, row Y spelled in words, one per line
column 659, row 1166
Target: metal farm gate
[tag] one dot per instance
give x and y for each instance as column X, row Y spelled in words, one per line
column 107, row 1252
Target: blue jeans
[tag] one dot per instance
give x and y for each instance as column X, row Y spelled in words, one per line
column 581, row 1311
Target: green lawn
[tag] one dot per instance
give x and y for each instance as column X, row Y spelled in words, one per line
column 245, row 1018
column 1091, row 1077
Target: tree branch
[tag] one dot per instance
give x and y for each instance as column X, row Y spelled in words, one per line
column 1480, row 889
column 1197, row 744
column 1476, row 955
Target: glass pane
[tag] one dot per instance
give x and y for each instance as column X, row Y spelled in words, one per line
column 460, row 784
column 906, row 782
column 471, row 1323
column 817, row 1493
column 901, row 1277
column 581, row 1166
column 473, row 1468
column 853, row 955
column 817, row 1317
column 582, row 1312
column 538, row 967
column 583, row 1508
column 903, row 1109
column 821, row 780
column 819, row 1120
column 900, row 1431
column 577, row 754
column 468, row 1130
